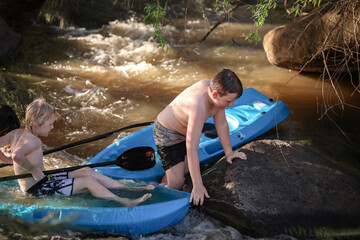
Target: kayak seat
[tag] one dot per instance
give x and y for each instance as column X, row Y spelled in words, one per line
column 137, row 159
column 209, row 130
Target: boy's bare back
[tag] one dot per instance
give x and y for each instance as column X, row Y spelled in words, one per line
column 193, row 101
column 23, row 140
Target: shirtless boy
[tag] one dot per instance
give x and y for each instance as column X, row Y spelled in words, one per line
column 27, row 157
column 178, row 128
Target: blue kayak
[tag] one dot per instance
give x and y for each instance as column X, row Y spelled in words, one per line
column 86, row 213
column 252, row 115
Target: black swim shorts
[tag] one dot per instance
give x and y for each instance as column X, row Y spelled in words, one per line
column 171, row 145
column 172, row 155
column 52, row 184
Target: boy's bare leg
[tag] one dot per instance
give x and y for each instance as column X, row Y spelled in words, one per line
column 177, row 170
column 104, row 180
column 164, row 180
column 97, row 190
column 175, row 176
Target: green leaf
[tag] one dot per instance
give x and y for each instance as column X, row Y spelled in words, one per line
column 156, row 13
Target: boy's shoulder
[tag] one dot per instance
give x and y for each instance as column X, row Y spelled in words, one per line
column 204, row 82
column 199, row 87
column 25, row 135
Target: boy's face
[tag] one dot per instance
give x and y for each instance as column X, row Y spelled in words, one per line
column 46, row 127
column 226, row 100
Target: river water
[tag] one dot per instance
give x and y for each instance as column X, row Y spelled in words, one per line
column 104, row 79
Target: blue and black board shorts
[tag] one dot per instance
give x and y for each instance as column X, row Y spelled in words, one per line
column 58, row 183
column 171, row 145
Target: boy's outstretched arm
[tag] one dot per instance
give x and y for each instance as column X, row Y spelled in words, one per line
column 222, row 128
column 195, row 125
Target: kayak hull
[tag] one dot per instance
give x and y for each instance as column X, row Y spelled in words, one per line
column 92, row 214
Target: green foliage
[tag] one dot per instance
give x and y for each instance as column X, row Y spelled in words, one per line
column 222, row 5
column 299, row 5
column 62, row 12
column 16, row 94
column 201, row 4
column 260, row 11
column 57, row 11
column 253, row 36
column 155, row 13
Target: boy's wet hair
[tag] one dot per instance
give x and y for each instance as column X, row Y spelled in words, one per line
column 38, row 112
column 8, row 120
column 226, row 81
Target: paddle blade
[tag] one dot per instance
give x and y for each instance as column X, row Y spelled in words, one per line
column 136, row 159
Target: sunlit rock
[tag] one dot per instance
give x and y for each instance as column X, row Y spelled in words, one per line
column 327, row 34
column 284, row 188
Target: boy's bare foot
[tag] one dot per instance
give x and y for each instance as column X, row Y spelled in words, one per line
column 150, row 187
column 137, row 201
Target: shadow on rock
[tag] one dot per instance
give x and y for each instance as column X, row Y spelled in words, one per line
column 284, row 188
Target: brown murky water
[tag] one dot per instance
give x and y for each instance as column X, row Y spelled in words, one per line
column 105, row 79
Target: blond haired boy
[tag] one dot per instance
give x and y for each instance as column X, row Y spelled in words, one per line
column 27, row 157
column 177, row 129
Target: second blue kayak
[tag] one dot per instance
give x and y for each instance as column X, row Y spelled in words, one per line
column 253, row 114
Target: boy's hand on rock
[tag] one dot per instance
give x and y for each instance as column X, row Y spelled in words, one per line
column 198, row 195
column 233, row 155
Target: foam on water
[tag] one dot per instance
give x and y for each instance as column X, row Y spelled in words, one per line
column 195, row 226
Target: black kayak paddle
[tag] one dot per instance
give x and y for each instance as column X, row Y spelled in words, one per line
column 134, row 159
column 87, row 140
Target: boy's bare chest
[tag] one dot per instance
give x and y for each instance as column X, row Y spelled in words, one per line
column 212, row 111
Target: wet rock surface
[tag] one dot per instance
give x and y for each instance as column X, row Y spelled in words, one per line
column 283, row 187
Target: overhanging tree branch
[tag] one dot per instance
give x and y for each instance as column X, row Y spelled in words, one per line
column 238, row 4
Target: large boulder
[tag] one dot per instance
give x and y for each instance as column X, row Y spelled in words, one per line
column 9, row 40
column 284, row 188
column 330, row 33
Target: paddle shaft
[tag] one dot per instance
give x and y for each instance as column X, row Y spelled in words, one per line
column 87, row 140
column 105, row 135
column 68, row 169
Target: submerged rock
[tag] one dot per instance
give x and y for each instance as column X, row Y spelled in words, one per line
column 328, row 34
column 284, row 188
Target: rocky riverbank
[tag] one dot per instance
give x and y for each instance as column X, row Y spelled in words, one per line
column 284, row 188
